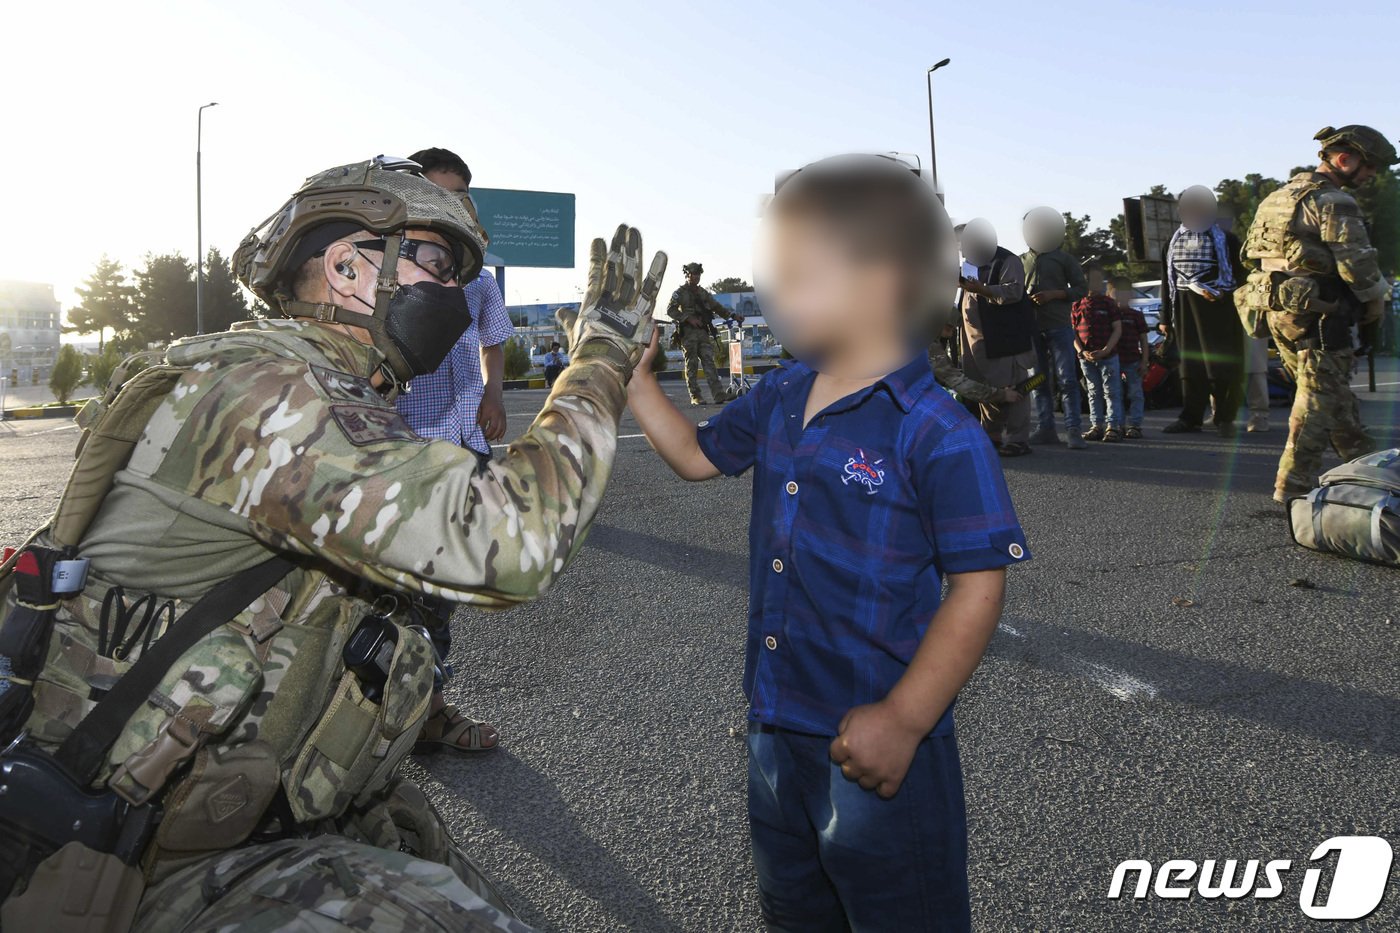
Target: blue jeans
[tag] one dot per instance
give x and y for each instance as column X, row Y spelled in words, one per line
column 1132, row 392
column 1105, row 382
column 834, row 858
column 1056, row 346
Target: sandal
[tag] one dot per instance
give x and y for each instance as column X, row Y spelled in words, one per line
column 446, row 729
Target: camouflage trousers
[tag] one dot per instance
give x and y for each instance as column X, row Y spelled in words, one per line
column 699, row 349
column 1325, row 413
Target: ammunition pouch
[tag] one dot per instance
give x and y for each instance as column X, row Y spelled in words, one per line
column 1253, row 303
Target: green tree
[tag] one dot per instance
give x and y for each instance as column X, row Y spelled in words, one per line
column 1095, row 245
column 517, row 358
column 164, row 298
column 107, row 302
column 1242, row 197
column 67, row 373
column 224, row 303
column 730, row 284
column 103, row 363
column 1380, row 203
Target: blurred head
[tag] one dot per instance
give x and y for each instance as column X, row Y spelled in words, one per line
column 854, row 248
column 1043, row 229
column 1096, row 279
column 1225, row 218
column 554, row 345
column 444, row 168
column 1120, row 289
column 978, row 241
column 1197, row 208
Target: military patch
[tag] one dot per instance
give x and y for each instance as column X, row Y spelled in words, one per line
column 347, row 386
column 371, row 424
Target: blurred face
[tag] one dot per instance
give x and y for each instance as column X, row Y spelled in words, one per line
column 1197, row 208
column 1095, row 280
column 1043, row 229
column 816, row 292
column 1120, row 292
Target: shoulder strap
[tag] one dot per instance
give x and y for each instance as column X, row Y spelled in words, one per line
column 111, row 427
column 86, row 747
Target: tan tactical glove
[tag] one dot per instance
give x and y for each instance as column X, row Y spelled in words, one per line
column 614, row 320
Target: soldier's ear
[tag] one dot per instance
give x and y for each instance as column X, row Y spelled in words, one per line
column 339, row 265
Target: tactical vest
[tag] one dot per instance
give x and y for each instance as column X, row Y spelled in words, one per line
column 1298, row 295
column 1272, row 234
column 260, row 718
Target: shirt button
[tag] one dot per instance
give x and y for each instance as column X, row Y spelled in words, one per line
column 771, row 642
column 791, row 488
column 777, row 565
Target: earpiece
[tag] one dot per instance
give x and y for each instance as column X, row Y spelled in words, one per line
column 344, row 269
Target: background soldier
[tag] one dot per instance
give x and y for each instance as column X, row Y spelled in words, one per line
column 694, row 309
column 268, row 747
column 1316, row 277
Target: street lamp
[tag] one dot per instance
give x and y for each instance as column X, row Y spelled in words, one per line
column 933, row 146
column 199, row 220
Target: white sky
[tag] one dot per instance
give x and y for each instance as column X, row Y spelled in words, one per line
column 671, row 116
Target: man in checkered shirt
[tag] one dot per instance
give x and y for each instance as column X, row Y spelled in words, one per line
column 460, row 402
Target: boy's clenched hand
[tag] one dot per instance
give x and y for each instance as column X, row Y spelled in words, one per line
column 875, row 745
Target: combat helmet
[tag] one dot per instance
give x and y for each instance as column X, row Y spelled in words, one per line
column 1365, row 141
column 382, row 195
column 693, row 268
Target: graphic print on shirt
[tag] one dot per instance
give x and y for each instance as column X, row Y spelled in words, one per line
column 860, row 470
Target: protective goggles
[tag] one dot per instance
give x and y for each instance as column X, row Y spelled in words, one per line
column 433, row 258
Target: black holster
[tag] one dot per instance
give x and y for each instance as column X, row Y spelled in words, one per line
column 43, row 807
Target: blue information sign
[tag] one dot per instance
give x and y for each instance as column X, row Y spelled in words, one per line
column 527, row 228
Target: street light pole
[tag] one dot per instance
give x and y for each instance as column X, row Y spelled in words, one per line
column 199, row 219
column 932, row 145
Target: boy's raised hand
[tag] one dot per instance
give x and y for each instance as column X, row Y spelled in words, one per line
column 874, row 746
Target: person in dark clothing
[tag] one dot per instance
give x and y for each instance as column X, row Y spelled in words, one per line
column 1202, row 270
column 554, row 363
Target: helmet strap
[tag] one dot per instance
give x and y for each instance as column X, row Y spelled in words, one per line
column 396, row 368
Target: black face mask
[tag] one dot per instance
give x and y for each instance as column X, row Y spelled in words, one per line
column 424, row 321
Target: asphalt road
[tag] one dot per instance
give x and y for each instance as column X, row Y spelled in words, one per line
column 1158, row 690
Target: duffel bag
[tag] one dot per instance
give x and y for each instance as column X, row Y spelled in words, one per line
column 1355, row 512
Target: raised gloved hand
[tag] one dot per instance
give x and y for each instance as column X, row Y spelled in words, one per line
column 614, row 319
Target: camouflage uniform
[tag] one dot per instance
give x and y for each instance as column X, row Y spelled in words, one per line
column 692, row 308
column 950, row 377
column 1314, row 265
column 274, row 438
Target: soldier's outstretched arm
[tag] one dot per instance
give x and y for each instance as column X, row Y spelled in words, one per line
column 1343, row 229
column 290, row 451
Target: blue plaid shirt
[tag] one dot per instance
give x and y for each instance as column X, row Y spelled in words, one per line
column 855, row 521
column 443, row 404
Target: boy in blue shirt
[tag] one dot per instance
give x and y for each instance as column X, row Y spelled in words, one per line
column 871, row 485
